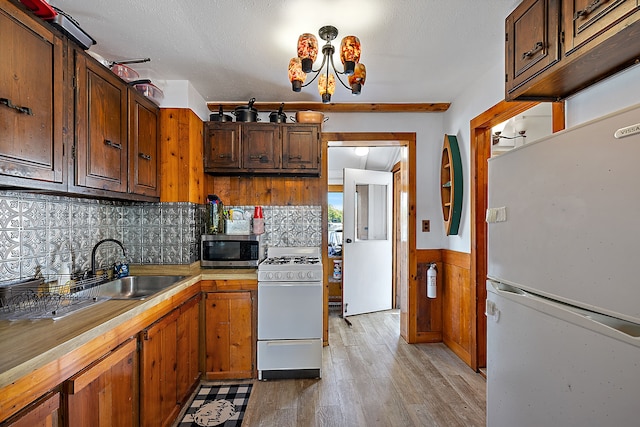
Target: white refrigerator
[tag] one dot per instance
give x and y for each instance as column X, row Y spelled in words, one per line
column 563, row 288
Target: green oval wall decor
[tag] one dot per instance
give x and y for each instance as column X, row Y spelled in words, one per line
column 451, row 184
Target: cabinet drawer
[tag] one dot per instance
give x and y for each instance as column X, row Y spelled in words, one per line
column 289, row 354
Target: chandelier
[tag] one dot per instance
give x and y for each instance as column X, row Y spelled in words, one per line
column 302, row 64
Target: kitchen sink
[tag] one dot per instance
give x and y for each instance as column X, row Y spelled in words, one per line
column 136, row 287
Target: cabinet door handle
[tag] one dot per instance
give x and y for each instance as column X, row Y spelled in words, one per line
column 8, row 103
column 262, row 157
column 224, row 156
column 587, row 10
column 112, row 144
column 145, row 156
column 529, row 53
column 299, row 157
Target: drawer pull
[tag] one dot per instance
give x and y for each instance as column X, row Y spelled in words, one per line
column 587, row 10
column 298, row 157
column 112, row 144
column 224, row 156
column 145, row 156
column 263, row 158
column 24, row 110
column 530, row 53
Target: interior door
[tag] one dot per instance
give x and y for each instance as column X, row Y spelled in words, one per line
column 367, row 244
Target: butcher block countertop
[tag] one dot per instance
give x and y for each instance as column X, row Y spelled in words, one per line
column 30, row 346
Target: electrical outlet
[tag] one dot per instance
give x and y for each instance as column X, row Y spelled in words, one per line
column 426, row 227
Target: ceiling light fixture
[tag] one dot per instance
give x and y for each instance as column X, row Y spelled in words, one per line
column 498, row 135
column 302, row 64
column 361, row 151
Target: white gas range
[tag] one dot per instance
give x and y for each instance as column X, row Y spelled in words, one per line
column 290, row 313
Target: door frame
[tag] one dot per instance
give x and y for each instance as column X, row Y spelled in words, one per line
column 406, row 276
column 480, row 141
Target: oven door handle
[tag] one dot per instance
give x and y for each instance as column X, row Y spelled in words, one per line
column 284, row 283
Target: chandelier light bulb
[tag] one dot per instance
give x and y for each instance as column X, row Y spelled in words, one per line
column 296, row 75
column 326, row 87
column 356, row 80
column 307, row 51
column 350, row 53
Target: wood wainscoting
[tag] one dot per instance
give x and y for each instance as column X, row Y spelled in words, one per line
column 448, row 317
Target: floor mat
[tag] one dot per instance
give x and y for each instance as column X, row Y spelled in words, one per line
column 217, row 405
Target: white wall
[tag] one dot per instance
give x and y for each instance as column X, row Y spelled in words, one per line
column 608, row 96
column 182, row 94
column 478, row 96
column 429, row 138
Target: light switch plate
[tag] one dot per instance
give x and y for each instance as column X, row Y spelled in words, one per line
column 426, row 226
column 496, row 214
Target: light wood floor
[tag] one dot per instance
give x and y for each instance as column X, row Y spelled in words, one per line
column 372, row 377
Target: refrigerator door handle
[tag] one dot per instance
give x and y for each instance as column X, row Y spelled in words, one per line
column 491, row 310
column 628, row 331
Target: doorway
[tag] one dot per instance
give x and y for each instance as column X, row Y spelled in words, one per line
column 405, row 248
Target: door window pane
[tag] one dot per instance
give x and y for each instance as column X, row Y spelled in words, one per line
column 371, row 212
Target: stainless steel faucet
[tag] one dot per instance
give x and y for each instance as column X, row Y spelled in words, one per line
column 93, row 253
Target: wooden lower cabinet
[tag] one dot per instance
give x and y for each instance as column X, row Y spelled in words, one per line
column 188, row 340
column 228, row 335
column 105, row 393
column 168, row 356
column 43, row 413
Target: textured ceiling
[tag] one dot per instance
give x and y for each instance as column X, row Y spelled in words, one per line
column 414, row 50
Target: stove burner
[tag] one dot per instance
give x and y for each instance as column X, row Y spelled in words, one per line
column 306, row 260
column 283, row 260
column 279, row 260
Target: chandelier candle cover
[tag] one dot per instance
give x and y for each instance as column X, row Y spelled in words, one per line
column 302, row 64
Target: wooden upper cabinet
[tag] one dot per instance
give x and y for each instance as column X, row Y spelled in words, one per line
column 586, row 19
column 144, row 149
column 555, row 48
column 101, row 127
column 301, row 147
column 221, row 146
column 531, row 41
column 31, row 101
column 261, row 146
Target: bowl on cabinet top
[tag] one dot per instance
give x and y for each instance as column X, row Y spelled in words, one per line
column 309, row 117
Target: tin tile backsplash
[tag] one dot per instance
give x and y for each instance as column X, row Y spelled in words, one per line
column 40, row 232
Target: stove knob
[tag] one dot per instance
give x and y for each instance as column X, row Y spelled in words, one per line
column 269, row 276
column 290, row 275
column 278, row 275
column 310, row 274
column 300, row 274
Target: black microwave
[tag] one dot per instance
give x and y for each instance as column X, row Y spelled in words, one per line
column 231, row 250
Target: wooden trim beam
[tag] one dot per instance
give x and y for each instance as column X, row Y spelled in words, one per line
column 346, row 107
